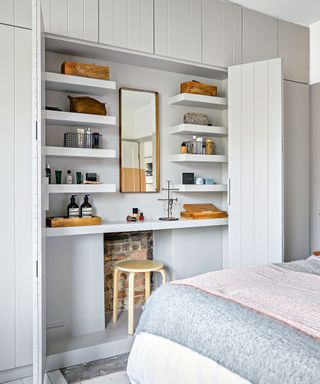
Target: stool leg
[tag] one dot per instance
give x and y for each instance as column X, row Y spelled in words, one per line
column 163, row 274
column 147, row 285
column 131, row 304
column 115, row 294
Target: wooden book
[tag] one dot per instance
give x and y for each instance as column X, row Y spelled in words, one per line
column 198, row 88
column 93, row 71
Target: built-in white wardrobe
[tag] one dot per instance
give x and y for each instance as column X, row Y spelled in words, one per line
column 16, row 268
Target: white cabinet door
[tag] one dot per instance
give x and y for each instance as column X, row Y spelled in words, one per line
column 296, row 171
column 294, row 50
column 255, row 164
column 16, row 12
column 260, row 36
column 23, row 196
column 7, row 275
column 221, row 33
column 314, row 167
column 127, row 24
column 72, row 18
column 178, row 29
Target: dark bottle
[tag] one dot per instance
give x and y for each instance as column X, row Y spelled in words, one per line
column 73, row 208
column 86, row 207
column 141, row 217
column 48, row 173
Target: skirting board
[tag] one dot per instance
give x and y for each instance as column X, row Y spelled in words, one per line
column 15, row 373
column 95, row 352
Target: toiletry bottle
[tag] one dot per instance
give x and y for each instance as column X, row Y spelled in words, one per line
column 73, row 208
column 183, row 148
column 48, row 172
column 135, row 213
column 141, row 217
column 88, row 138
column 86, row 207
column 69, row 178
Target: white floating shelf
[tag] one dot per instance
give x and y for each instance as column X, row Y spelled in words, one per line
column 81, row 188
column 199, row 158
column 80, row 152
column 195, row 129
column 122, row 226
column 76, row 84
column 201, row 188
column 78, row 119
column 191, row 100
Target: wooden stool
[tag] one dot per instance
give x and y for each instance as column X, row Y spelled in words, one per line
column 132, row 267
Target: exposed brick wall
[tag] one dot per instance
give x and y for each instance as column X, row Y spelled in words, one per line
column 120, row 246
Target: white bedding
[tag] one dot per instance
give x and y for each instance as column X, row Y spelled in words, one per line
column 156, row 360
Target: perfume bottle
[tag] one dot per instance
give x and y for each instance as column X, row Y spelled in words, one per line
column 69, row 178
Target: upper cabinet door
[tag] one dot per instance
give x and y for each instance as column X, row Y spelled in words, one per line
column 16, row 12
column 221, row 33
column 72, row 18
column 260, row 36
column 294, row 50
column 127, row 24
column 178, row 29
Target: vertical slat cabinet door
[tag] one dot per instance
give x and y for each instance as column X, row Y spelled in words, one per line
column 7, row 12
column 59, row 17
column 83, row 16
column 260, row 36
column 127, row 24
column 7, row 154
column 178, row 29
column 296, row 171
column 39, row 202
column 255, row 164
column 222, row 33
column 314, row 167
column 294, row 50
column 23, row 196
column 23, row 13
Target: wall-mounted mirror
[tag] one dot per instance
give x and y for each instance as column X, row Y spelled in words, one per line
column 139, row 141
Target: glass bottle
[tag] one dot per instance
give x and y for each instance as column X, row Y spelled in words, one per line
column 86, row 207
column 73, row 208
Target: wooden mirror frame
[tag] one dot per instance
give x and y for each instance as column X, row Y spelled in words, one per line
column 157, row 155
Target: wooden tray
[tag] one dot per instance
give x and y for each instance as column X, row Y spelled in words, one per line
column 55, row 222
column 200, row 208
column 203, row 215
column 198, row 88
column 93, row 71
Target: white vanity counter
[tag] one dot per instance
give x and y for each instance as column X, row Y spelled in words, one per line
column 122, row 226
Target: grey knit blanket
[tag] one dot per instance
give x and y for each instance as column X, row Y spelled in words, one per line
column 256, row 347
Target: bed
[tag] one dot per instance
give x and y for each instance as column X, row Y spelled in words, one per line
column 240, row 326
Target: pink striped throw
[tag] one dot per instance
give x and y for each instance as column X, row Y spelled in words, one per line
column 289, row 296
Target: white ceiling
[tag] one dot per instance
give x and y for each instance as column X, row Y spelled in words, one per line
column 303, row 12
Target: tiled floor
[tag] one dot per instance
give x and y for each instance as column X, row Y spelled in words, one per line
column 95, row 369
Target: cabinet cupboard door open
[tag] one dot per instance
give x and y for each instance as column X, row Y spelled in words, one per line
column 255, row 164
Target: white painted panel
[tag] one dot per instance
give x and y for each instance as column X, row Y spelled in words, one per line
column 314, row 167
column 23, row 197
column 127, row 24
column 91, row 20
column 296, row 167
column 46, row 14
column 23, row 13
column 222, row 33
column 178, row 29
column 7, row 12
column 7, row 197
column 76, row 18
column 255, row 164
column 59, row 17
column 106, row 22
column 260, row 36
column 275, row 161
column 294, row 50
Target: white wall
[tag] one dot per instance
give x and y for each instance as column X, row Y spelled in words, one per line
column 315, row 53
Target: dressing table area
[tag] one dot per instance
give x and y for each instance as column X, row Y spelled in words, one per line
column 140, row 152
